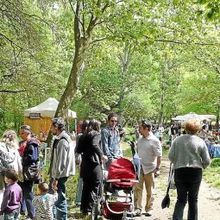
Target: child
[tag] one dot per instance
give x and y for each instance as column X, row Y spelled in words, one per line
column 12, row 197
column 44, row 203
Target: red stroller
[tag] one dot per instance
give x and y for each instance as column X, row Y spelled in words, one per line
column 117, row 195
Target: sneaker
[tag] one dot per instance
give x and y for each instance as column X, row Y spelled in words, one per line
column 137, row 212
column 149, row 213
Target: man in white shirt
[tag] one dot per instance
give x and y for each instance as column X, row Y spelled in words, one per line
column 150, row 151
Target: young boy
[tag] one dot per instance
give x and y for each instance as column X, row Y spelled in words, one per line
column 12, row 197
column 44, row 203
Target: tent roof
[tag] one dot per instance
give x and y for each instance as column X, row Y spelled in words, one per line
column 47, row 109
column 193, row 115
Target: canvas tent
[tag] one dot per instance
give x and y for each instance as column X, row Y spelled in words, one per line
column 193, row 115
column 39, row 117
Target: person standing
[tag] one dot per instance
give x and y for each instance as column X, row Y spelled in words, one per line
column 9, row 155
column 189, row 155
column 150, row 151
column 12, row 197
column 89, row 146
column 110, row 138
column 30, row 157
column 44, row 202
column 62, row 164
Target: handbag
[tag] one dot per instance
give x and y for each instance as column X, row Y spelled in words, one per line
column 166, row 200
column 32, row 173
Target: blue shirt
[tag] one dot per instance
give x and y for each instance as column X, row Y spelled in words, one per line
column 110, row 143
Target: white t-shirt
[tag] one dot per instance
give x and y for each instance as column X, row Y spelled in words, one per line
column 149, row 149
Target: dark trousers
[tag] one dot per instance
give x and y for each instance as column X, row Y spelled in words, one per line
column 27, row 188
column 61, row 203
column 91, row 187
column 187, row 181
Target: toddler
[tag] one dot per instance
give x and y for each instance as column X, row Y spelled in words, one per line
column 44, row 203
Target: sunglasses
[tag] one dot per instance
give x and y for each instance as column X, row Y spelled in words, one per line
column 113, row 120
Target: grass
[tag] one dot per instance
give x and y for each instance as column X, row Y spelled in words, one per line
column 212, row 173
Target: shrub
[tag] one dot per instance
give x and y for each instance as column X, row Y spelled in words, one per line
column 215, row 162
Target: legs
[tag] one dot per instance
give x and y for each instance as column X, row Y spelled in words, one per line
column 61, row 203
column 91, row 184
column 187, row 182
column 148, row 180
column 27, row 187
column 138, row 193
column 149, row 183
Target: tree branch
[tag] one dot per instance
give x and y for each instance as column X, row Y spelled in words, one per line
column 12, row 91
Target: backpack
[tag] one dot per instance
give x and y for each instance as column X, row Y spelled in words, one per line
column 6, row 157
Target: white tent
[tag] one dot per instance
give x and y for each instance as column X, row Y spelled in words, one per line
column 193, row 115
column 46, row 109
column 40, row 117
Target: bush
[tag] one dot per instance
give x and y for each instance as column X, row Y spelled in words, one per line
column 215, row 162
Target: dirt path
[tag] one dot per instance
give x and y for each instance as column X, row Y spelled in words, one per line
column 209, row 200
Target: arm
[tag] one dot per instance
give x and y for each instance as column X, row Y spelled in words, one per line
column 171, row 154
column 205, row 156
column 60, row 163
column 5, row 200
column 104, row 140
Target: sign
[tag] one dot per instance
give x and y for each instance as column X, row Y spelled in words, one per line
column 35, row 115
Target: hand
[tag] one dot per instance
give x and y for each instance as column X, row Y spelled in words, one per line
column 156, row 173
column 54, row 184
column 104, row 158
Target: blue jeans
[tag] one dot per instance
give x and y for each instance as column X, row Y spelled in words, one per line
column 61, row 203
column 27, row 188
column 187, row 181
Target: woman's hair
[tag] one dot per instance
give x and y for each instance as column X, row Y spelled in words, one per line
column 11, row 174
column 94, row 125
column 84, row 125
column 26, row 128
column 9, row 137
column 192, row 126
column 43, row 187
column 111, row 115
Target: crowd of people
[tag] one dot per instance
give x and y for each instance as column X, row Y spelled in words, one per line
column 95, row 149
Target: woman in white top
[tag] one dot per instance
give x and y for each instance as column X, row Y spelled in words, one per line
column 9, row 155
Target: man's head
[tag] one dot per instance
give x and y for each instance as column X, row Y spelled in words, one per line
column 58, row 125
column 112, row 120
column 145, row 128
column 25, row 132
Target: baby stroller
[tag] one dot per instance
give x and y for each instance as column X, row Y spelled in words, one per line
column 117, row 192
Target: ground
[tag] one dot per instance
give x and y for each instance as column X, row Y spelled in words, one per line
column 209, row 200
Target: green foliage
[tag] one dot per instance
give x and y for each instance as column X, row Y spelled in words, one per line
column 215, row 163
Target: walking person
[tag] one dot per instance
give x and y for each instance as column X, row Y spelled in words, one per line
column 30, row 157
column 62, row 164
column 189, row 155
column 110, row 138
column 10, row 207
column 150, row 151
